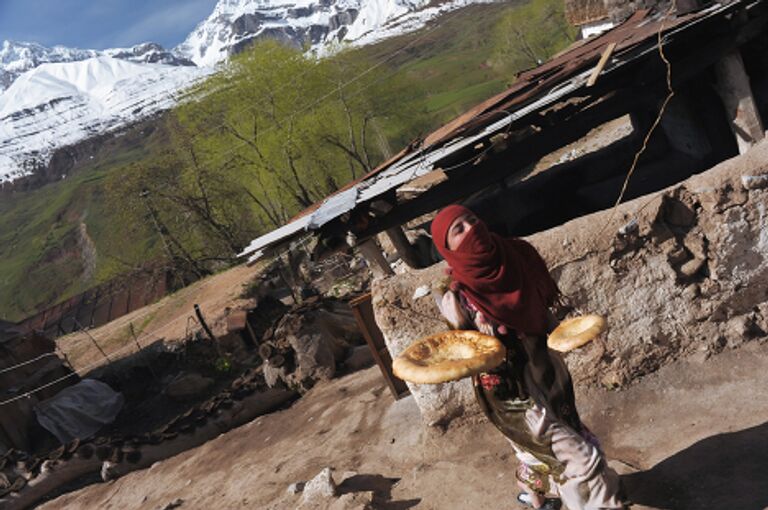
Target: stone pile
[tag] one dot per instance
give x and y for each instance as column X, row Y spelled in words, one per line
column 308, row 344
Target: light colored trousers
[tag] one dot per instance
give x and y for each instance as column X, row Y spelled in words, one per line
column 587, row 483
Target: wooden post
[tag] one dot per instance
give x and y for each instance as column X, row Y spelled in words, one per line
column 204, row 324
column 404, row 247
column 736, row 93
column 372, row 253
column 106, row 356
column 362, row 308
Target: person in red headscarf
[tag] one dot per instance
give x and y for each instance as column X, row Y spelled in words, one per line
column 502, row 287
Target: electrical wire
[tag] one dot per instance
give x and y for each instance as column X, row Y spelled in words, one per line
column 654, row 125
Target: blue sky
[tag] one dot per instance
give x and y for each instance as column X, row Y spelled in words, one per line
column 100, row 24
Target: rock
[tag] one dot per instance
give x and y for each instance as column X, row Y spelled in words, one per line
column 678, row 214
column 176, row 503
column 319, row 334
column 359, row 357
column 420, row 292
column 108, row 471
column 314, row 356
column 690, row 268
column 187, row 385
column 612, row 380
column 629, row 228
column 755, row 181
column 273, row 375
column 319, row 488
column 676, row 255
column 761, row 317
column 691, row 292
column 696, row 245
column 743, row 328
column 296, row 487
column 403, row 320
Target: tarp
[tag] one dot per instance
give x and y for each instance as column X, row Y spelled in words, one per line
column 78, row 412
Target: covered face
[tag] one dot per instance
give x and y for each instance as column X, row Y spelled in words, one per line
column 465, row 243
column 504, row 278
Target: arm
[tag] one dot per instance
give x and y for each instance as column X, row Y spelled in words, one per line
column 458, row 317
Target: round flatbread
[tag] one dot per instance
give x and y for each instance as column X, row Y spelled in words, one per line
column 448, row 356
column 575, row 332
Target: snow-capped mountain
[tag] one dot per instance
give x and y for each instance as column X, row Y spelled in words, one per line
column 19, row 57
column 321, row 25
column 58, row 96
column 55, row 105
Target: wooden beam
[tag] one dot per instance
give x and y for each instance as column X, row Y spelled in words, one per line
column 601, row 64
column 404, row 248
column 376, row 261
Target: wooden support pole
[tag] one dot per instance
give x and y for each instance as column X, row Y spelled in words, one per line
column 372, row 253
column 601, row 64
column 204, row 324
column 404, row 247
column 736, row 93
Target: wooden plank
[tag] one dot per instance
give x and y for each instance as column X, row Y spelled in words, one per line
column 601, row 64
column 362, row 308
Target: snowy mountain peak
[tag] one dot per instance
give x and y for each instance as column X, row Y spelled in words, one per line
column 19, row 57
column 58, row 104
column 319, row 24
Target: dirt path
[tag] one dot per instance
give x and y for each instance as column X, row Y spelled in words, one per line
column 697, row 432
column 165, row 319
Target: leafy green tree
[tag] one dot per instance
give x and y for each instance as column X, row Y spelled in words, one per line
column 529, row 35
column 272, row 132
column 294, row 128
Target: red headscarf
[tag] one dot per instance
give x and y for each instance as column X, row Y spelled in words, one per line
column 506, row 279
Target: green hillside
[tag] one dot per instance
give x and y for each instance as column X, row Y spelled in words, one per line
column 440, row 70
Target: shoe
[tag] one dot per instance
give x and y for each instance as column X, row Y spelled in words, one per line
column 549, row 503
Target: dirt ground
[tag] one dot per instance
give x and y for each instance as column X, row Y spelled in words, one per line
column 693, row 435
column 167, row 319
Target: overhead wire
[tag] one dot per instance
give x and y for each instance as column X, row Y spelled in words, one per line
column 25, row 363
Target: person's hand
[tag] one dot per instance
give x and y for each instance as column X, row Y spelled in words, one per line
column 483, row 325
column 450, row 307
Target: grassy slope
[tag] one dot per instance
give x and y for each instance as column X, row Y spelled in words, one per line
column 39, row 257
column 39, row 232
column 450, row 63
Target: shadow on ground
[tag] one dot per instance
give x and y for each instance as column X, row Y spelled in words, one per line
column 382, row 491
column 721, row 472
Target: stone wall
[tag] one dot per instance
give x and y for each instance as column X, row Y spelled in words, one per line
column 682, row 272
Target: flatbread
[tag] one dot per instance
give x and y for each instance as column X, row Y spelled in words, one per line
column 575, row 332
column 448, row 356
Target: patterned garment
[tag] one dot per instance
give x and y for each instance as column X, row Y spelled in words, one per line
column 530, row 399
